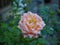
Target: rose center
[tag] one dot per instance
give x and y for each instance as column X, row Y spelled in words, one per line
column 33, row 22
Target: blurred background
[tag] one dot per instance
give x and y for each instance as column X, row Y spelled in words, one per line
column 10, row 12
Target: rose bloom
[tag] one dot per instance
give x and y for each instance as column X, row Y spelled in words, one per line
column 31, row 24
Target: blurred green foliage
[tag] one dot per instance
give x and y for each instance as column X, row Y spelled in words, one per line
column 11, row 35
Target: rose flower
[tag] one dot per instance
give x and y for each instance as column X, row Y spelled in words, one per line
column 31, row 24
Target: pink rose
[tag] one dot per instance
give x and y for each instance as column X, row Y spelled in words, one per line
column 31, row 24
